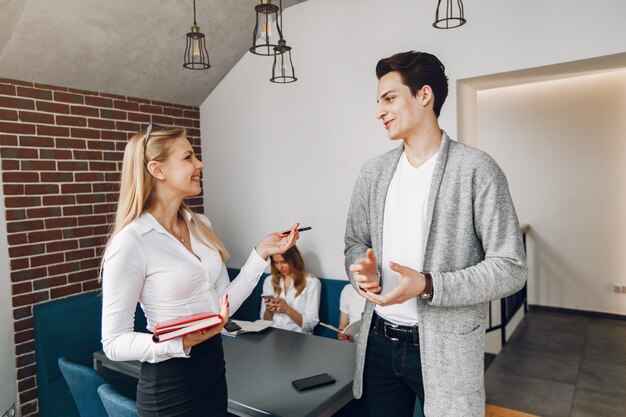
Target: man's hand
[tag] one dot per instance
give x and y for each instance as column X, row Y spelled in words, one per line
column 365, row 273
column 410, row 285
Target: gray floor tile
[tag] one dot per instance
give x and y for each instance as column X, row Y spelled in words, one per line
column 530, row 395
column 607, row 328
column 558, row 322
column 606, row 350
column 528, row 337
column 538, row 364
column 602, row 376
column 590, row 403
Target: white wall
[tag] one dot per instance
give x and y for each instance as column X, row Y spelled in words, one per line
column 8, row 387
column 276, row 154
column 563, row 146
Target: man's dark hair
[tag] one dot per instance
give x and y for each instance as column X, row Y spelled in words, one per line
column 418, row 69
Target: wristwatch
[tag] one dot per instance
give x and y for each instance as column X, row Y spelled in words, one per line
column 428, row 288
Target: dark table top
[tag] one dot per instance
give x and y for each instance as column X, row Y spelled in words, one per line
column 261, row 366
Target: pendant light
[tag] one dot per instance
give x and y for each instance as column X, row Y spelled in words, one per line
column 452, row 17
column 196, row 54
column 282, row 70
column 267, row 31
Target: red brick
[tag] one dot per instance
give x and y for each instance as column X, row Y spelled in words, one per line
column 17, row 239
column 25, row 384
column 72, row 166
column 88, row 155
column 139, row 117
column 17, row 103
column 28, row 250
column 61, row 245
column 183, row 122
column 85, row 133
column 44, row 236
column 171, row 111
column 44, row 130
column 115, row 135
column 38, row 213
column 163, row 120
column 48, row 259
column 68, row 97
column 19, row 263
column 13, row 189
column 150, row 109
column 193, row 132
column 192, row 114
column 63, row 268
column 56, row 177
column 98, row 101
column 54, row 154
column 112, row 197
column 102, row 208
column 196, row 123
column 18, row 153
column 90, row 198
column 29, row 409
column 32, row 298
column 20, row 128
column 52, row 107
column 106, row 228
column 8, row 140
column 71, row 121
column 103, row 166
column 92, row 285
column 77, row 210
column 94, row 240
column 11, row 202
column 113, row 114
column 38, row 165
column 71, row 143
column 126, row 105
column 112, row 177
column 41, row 189
column 60, row 222
column 65, row 291
column 75, row 188
column 85, row 111
column 46, row 283
column 25, row 360
column 34, row 93
column 83, row 275
column 101, row 123
column 89, row 177
column 79, row 254
column 77, row 232
column 25, row 324
column 91, row 263
column 22, row 312
column 7, row 89
column 133, row 127
column 15, row 214
column 113, row 156
column 8, row 114
column 37, row 141
column 55, row 200
column 26, row 396
column 101, row 144
column 91, row 220
column 24, row 336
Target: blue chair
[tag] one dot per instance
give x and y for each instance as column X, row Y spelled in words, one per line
column 83, row 382
column 115, row 403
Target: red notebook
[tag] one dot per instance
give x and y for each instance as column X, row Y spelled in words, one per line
column 181, row 326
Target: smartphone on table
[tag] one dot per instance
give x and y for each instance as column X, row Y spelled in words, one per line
column 313, row 382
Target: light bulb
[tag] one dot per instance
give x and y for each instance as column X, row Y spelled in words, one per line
column 195, row 51
column 266, row 29
column 283, row 64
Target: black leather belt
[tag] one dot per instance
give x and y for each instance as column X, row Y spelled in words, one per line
column 394, row 331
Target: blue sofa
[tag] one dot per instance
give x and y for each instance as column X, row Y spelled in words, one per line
column 71, row 327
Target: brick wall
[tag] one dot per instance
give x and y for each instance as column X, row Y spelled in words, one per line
column 61, row 154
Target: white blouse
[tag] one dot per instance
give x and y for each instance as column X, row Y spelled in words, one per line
column 145, row 263
column 351, row 303
column 307, row 304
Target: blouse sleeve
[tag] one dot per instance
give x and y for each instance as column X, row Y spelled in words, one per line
column 310, row 313
column 123, row 275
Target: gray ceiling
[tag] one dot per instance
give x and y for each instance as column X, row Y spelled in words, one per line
column 128, row 47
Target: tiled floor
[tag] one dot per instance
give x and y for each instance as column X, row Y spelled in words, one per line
column 562, row 365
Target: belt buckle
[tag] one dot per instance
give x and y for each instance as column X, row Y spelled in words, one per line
column 393, row 326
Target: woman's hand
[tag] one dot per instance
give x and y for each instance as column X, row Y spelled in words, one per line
column 279, row 305
column 195, row 338
column 277, row 243
column 345, row 338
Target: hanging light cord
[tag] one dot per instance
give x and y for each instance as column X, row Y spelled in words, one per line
column 194, row 13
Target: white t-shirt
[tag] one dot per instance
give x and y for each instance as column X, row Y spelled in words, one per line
column 307, row 304
column 145, row 263
column 404, row 231
column 351, row 303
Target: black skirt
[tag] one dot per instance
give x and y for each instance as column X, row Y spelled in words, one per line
column 194, row 386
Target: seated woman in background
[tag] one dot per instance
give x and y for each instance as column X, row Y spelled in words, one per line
column 296, row 294
column 351, row 306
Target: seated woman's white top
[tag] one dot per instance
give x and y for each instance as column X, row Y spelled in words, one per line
column 145, row 263
column 307, row 304
column 351, row 303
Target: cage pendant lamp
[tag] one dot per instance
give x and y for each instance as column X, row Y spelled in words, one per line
column 196, row 54
column 282, row 70
column 267, row 31
column 451, row 17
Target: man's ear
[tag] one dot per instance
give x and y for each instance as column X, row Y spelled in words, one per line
column 154, row 168
column 427, row 96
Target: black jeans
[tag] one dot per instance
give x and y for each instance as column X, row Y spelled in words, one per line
column 392, row 378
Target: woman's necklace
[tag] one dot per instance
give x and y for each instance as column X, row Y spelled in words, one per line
column 180, row 239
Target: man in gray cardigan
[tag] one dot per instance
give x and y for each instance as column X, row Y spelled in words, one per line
column 439, row 216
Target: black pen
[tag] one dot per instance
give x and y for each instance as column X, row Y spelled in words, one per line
column 302, row 229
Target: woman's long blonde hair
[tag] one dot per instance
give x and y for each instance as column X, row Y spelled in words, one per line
column 295, row 261
column 137, row 184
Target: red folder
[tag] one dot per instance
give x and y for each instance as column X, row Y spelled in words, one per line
column 181, row 326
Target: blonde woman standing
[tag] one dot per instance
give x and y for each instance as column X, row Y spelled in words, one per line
column 169, row 259
column 295, row 300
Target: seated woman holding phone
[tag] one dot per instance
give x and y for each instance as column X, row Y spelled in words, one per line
column 291, row 295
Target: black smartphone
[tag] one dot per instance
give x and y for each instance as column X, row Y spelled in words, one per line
column 231, row 326
column 312, row 382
